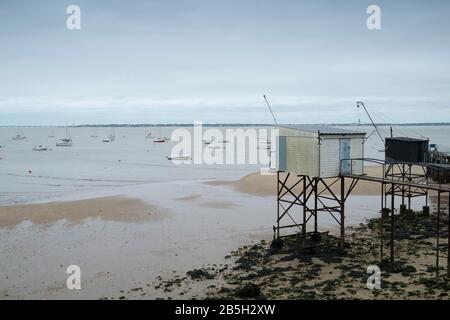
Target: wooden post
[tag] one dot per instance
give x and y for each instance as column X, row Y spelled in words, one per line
column 438, row 218
column 278, row 204
column 409, row 188
column 342, row 212
column 392, row 222
column 316, row 183
column 448, row 239
column 304, row 209
column 382, row 223
column 403, row 187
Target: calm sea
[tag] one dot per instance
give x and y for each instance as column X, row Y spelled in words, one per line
column 132, row 159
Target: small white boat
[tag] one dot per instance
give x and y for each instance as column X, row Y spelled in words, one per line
column 111, row 137
column 52, row 133
column 65, row 142
column 159, row 140
column 40, row 148
column 180, row 158
column 19, row 135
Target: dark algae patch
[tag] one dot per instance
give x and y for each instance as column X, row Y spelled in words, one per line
column 317, row 268
column 291, row 268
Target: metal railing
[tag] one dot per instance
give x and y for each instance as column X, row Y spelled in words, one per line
column 387, row 175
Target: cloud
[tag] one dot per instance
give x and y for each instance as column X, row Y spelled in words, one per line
column 247, row 109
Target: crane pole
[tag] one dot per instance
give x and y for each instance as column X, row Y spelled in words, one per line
column 358, row 103
column 271, row 112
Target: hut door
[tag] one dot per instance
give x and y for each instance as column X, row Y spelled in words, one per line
column 344, row 153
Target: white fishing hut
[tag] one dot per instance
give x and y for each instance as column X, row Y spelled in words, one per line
column 319, row 151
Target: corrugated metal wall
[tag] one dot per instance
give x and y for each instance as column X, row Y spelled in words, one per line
column 301, row 156
column 329, row 157
column 301, row 153
column 357, row 151
column 281, row 153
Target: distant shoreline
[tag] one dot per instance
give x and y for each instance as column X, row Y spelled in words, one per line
column 124, row 125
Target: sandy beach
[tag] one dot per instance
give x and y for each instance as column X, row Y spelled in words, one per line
column 170, row 150
column 322, row 270
column 75, row 212
column 123, row 242
column 142, row 246
column 266, row 185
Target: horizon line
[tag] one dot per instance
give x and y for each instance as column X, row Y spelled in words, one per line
column 243, row 124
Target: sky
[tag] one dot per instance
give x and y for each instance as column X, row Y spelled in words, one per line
column 180, row 61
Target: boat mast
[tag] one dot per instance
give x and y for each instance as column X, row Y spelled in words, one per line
column 276, row 124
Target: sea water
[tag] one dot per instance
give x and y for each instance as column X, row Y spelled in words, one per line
column 92, row 165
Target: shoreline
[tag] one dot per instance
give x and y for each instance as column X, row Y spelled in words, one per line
column 112, row 208
column 265, row 185
column 322, row 270
column 132, row 255
column 118, row 249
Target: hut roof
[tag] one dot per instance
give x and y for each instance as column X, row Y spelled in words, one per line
column 323, row 129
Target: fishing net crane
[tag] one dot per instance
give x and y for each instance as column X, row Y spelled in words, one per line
column 361, row 104
column 271, row 112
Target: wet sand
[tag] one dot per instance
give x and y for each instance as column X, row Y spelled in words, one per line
column 117, row 208
column 123, row 244
column 140, row 246
column 295, row 270
column 265, row 185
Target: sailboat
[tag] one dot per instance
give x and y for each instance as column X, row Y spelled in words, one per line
column 269, row 170
column 40, row 148
column 19, row 135
column 265, row 143
column 160, row 139
column 149, row 135
column 183, row 157
column 65, row 142
column 52, row 133
column 111, row 136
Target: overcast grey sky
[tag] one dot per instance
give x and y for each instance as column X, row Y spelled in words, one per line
column 179, row 61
